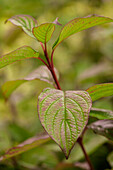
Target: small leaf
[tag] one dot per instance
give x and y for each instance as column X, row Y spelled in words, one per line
column 64, row 115
column 25, row 21
column 79, row 24
column 103, row 127
column 25, row 146
column 101, row 113
column 21, row 53
column 43, row 32
column 100, row 90
column 42, row 74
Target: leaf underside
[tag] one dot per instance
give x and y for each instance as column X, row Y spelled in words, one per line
column 100, row 90
column 42, row 74
column 25, row 146
column 21, row 53
column 103, row 127
column 101, row 113
column 64, row 115
column 79, row 24
column 25, row 21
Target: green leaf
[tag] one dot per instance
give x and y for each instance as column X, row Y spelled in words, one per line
column 110, row 159
column 25, row 146
column 79, row 24
column 21, row 53
column 64, row 115
column 43, row 32
column 42, row 73
column 101, row 113
column 25, row 21
column 100, row 90
column 103, row 127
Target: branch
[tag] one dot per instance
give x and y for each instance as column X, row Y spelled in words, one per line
column 52, row 58
column 47, row 58
column 85, row 153
column 43, row 62
column 51, row 68
column 42, row 46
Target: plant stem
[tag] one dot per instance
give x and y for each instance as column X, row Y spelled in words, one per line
column 42, row 46
column 46, row 55
column 51, row 68
column 52, row 58
column 85, row 153
column 43, row 62
column 55, row 78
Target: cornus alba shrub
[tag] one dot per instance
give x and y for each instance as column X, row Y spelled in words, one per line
column 63, row 114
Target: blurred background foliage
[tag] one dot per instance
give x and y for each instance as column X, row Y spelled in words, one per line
column 83, row 60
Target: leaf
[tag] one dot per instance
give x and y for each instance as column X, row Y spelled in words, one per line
column 25, row 21
column 100, row 90
column 43, row 32
column 21, row 53
column 42, row 73
column 101, row 113
column 79, row 24
column 25, row 146
column 64, row 115
column 110, row 159
column 103, row 127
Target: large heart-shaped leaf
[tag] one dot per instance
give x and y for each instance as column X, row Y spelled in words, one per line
column 64, row 115
column 100, row 90
column 44, row 32
column 79, row 24
column 25, row 21
column 25, row 146
column 42, row 73
column 22, row 53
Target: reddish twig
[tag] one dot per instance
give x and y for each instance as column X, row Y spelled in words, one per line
column 85, row 153
column 42, row 46
column 46, row 55
column 51, row 68
column 52, row 58
column 43, row 62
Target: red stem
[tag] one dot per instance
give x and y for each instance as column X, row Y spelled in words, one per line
column 51, row 68
column 85, row 153
column 43, row 62
column 42, row 46
column 52, row 58
column 55, row 78
column 46, row 55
